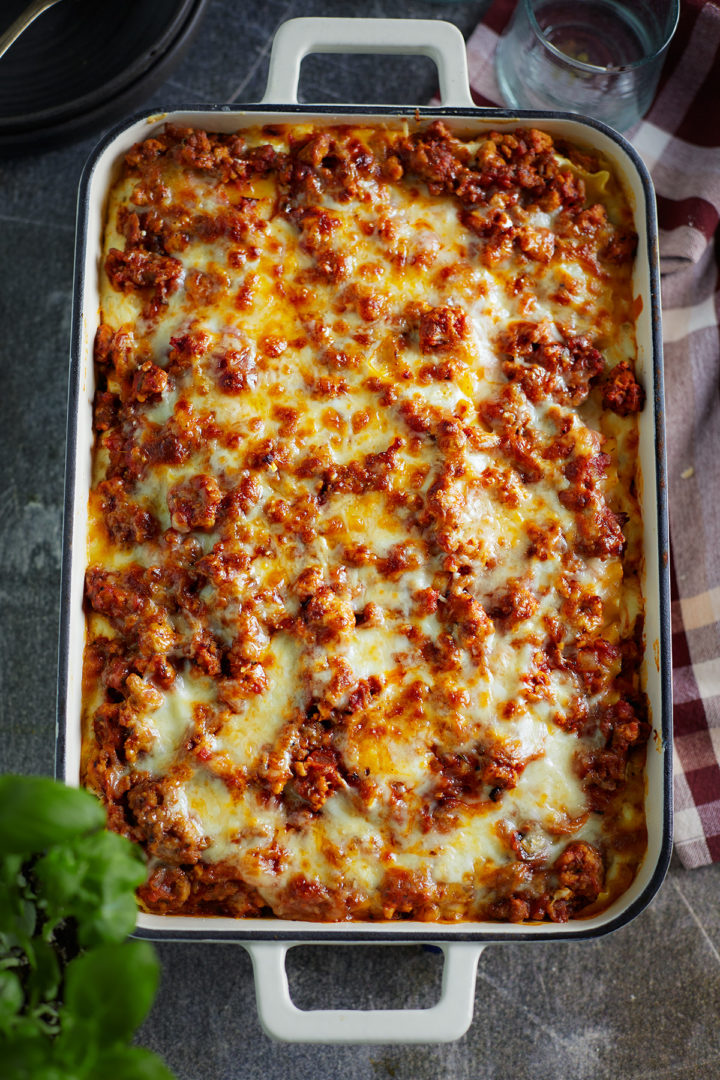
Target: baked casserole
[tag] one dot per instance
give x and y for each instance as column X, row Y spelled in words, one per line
column 364, row 613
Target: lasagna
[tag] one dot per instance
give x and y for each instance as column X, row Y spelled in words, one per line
column 364, row 610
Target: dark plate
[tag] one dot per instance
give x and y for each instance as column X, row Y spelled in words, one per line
column 85, row 63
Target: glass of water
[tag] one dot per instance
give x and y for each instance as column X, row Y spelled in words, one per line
column 598, row 57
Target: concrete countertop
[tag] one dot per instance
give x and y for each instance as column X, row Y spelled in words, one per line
column 642, row 1004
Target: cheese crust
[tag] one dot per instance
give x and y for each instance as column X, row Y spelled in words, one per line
column 364, row 615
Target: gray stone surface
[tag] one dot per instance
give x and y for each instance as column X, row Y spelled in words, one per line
column 642, row 1004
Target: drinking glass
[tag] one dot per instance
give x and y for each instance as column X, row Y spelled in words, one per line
column 598, row 57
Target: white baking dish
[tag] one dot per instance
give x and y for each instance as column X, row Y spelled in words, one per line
column 267, row 940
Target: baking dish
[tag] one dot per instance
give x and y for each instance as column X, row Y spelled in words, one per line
column 267, row 940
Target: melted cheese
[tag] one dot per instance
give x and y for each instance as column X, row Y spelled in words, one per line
column 323, row 735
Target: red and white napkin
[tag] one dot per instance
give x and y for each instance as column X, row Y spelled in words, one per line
column 679, row 140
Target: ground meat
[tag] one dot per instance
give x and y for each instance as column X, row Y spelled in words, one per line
column 373, row 473
column 205, row 287
column 594, row 663
column 167, row 889
column 218, row 889
column 621, row 392
column 408, row 893
column 143, row 153
column 435, row 156
column 538, row 244
column 105, row 410
column 442, row 328
column 104, row 336
column 306, row 767
column 580, row 869
column 327, row 614
column 469, row 775
column 115, row 348
column 185, row 349
column 508, row 415
column 306, row 899
column 446, row 509
column 472, row 623
column 496, row 229
column 523, row 339
column 165, row 829
column 600, row 532
column 603, row 770
column 140, row 232
column 132, row 270
column 315, row 223
column 239, row 500
column 522, row 159
column 193, row 503
column 193, row 147
column 249, row 681
column 622, row 247
column 127, row 522
column 113, row 595
column 502, row 236
column 317, row 776
column 584, row 474
column 332, row 266
column 514, row 909
column 149, row 381
column 515, row 604
column 561, row 370
column 249, row 645
column 204, row 653
column 236, row 369
column 545, row 540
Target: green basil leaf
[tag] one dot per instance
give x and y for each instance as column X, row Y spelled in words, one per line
column 130, row 1063
column 52, row 1072
column 18, row 919
column 26, row 1028
column 113, row 922
column 43, row 980
column 11, row 998
column 36, row 813
column 76, row 1046
column 93, row 879
column 110, row 989
column 18, row 915
column 28, row 1055
column 11, row 869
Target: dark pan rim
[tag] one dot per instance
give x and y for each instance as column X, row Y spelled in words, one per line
column 434, row 932
column 163, row 50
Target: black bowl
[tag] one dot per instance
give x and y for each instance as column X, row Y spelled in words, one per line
column 85, row 63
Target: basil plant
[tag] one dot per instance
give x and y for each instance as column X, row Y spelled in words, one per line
column 73, row 990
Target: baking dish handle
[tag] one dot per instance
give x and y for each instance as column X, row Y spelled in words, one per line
column 444, row 1022
column 296, row 38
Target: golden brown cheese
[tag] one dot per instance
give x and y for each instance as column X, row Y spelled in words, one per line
column 364, row 611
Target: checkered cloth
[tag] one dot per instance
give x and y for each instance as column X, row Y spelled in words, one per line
column 679, row 141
